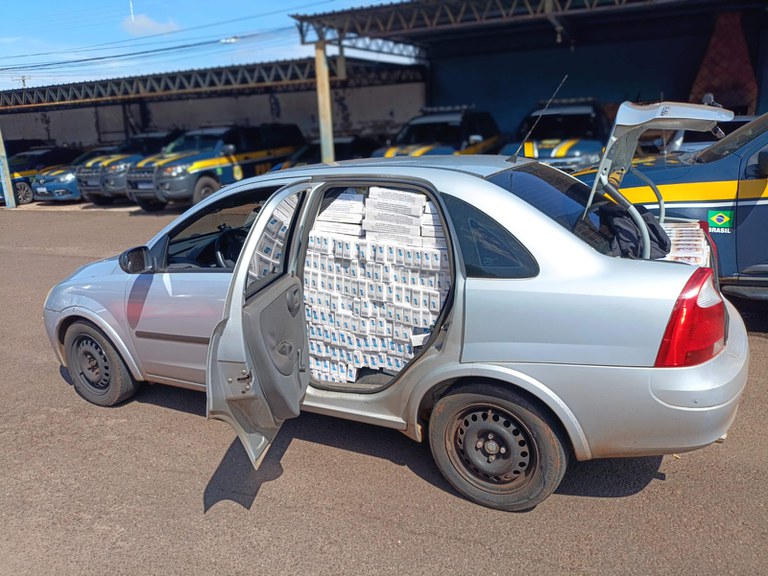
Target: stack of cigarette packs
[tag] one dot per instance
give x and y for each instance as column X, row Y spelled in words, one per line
column 689, row 244
column 269, row 252
column 376, row 275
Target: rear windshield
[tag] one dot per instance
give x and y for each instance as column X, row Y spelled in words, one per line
column 558, row 196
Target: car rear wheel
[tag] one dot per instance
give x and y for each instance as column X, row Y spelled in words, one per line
column 151, row 205
column 496, row 448
column 204, row 187
column 97, row 370
column 23, row 193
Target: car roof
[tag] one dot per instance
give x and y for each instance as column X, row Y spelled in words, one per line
column 157, row 134
column 213, row 130
column 478, row 165
column 437, row 118
column 575, row 109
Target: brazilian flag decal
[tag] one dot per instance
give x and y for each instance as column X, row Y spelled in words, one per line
column 720, row 218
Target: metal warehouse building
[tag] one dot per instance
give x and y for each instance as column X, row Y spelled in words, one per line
column 503, row 56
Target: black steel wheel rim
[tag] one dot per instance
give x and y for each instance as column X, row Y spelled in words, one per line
column 92, row 364
column 206, row 191
column 491, row 448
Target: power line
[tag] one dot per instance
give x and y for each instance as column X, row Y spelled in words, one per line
column 140, row 41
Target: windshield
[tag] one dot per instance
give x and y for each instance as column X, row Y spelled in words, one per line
column 733, row 141
column 193, row 142
column 83, row 158
column 558, row 196
column 27, row 157
column 430, row 133
column 142, row 145
column 309, row 154
column 560, row 127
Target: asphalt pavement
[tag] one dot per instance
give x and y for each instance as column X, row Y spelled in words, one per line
column 152, row 487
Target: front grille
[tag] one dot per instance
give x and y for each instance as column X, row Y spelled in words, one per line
column 142, row 174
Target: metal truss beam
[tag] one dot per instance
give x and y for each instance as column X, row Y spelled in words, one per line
column 400, row 28
column 284, row 76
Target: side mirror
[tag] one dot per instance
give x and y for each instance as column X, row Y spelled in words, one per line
column 228, row 150
column 762, row 162
column 135, row 260
column 475, row 139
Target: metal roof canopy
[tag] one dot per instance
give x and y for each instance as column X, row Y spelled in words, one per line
column 284, row 76
column 412, row 28
column 415, row 28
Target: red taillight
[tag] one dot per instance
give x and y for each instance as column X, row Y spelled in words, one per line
column 696, row 329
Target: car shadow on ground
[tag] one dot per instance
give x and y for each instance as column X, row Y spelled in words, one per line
column 170, row 210
column 236, row 480
column 754, row 313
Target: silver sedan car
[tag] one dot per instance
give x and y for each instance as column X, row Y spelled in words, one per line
column 477, row 302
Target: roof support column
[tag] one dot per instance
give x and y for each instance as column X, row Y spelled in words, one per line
column 5, row 177
column 324, row 103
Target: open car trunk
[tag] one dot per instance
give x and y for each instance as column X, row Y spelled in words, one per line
column 639, row 233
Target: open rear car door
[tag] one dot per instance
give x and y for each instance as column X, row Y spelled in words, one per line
column 257, row 359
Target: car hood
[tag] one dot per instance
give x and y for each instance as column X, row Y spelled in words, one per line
column 662, row 169
column 57, row 170
column 159, row 160
column 554, row 148
column 415, row 150
column 111, row 159
column 96, row 269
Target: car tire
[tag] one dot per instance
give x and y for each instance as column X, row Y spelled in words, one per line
column 496, row 447
column 204, row 187
column 23, row 193
column 151, row 205
column 97, row 370
column 101, row 200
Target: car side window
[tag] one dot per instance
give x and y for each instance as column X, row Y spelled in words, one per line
column 222, row 228
column 252, row 139
column 269, row 259
column 488, row 249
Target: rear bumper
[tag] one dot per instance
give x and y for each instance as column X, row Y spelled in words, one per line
column 647, row 411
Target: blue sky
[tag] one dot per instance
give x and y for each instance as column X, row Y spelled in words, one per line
column 43, row 42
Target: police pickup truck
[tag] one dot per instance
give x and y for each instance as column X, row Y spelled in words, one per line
column 724, row 185
column 102, row 179
column 446, row 130
column 202, row 161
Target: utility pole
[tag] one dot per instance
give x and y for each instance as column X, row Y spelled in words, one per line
column 23, row 80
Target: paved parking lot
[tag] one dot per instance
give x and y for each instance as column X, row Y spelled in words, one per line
column 152, row 487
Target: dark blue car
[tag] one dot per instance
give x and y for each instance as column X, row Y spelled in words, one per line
column 60, row 183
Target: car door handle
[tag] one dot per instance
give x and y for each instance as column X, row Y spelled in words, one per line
column 294, row 300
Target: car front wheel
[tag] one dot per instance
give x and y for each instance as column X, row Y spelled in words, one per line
column 204, row 187
column 496, row 448
column 23, row 193
column 151, row 205
column 97, row 370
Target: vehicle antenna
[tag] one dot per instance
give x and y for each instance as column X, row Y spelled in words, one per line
column 542, row 114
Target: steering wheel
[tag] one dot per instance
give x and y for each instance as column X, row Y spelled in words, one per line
column 227, row 246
